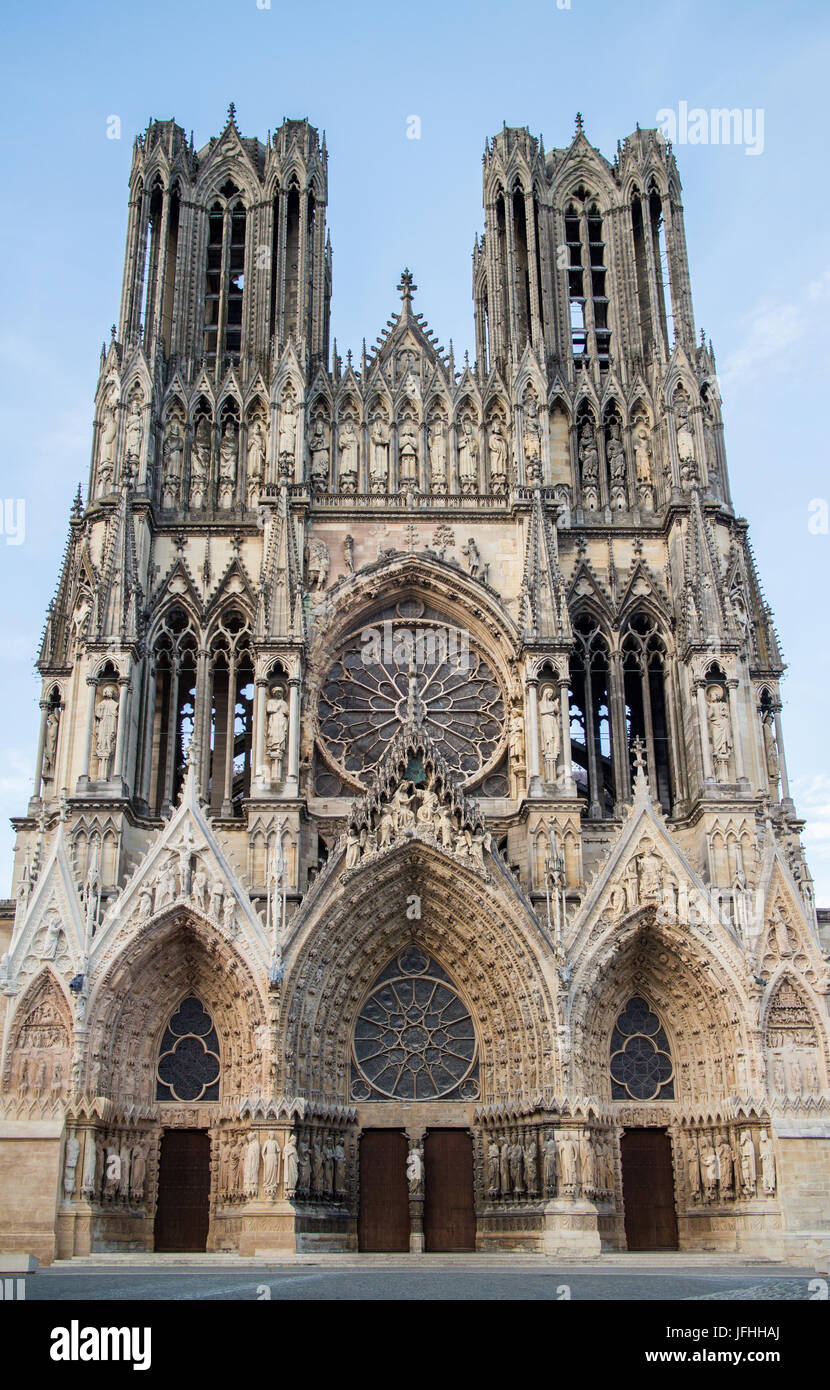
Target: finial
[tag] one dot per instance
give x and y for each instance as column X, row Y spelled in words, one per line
column 407, row 287
column 112, row 332
column 579, row 123
column 638, row 748
column 77, row 503
column 232, row 113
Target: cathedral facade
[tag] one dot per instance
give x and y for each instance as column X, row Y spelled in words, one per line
column 411, row 862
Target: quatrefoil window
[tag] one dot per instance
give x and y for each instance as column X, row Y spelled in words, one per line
column 188, row 1065
column 641, row 1064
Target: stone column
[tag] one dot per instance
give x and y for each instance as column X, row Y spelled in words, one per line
column 568, row 784
column 41, row 740
column 782, row 761
column 705, row 746
column 227, row 800
column 292, row 779
column 90, row 716
column 258, row 779
column 148, row 731
column 532, row 740
column 737, row 742
column 415, row 1138
column 121, row 731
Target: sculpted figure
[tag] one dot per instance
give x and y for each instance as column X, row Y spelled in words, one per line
column 517, row 1158
column 771, row 753
column 319, row 449
column 200, row 464
column 305, row 1167
column 328, row 1166
column 276, row 730
column 408, row 451
column 173, row 461
column 567, row 1161
column 402, row 808
column 251, row 1166
column 642, row 452
column 228, row 464
column 709, row 1164
column 288, row 436
column 438, row 454
column 255, row 460
column 386, row 826
column 138, row 1170
column 589, row 465
column 471, row 553
column 767, row 1163
column 615, row 454
column 339, row 1166
column 90, row 1164
column 106, row 726
column 468, row 453
column 318, row 564
column 650, row 866
column 134, row 433
column 549, row 1164
column 531, row 1158
column 685, row 444
column 532, row 440
column 693, row 1166
column 811, row 1077
column 720, row 730
column 749, row 1171
column 106, row 455
column 586, row 1155
column 270, row 1164
column 291, row 1166
column 198, row 889
column 124, row 1159
column 725, row 1165
column 379, row 454
column 550, row 731
column 347, row 445
column 70, row 1164
column 504, row 1168
column 415, row 1172
column 497, row 452
column 445, row 828
column 493, row 1156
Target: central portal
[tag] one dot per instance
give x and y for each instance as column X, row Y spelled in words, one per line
column 383, row 1223
column 648, row 1190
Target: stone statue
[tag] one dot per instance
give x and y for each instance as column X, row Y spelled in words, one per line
column 50, row 741
column 255, row 460
column 650, row 867
column 402, row 808
column 811, row 1076
column 328, row 1166
column 497, row 452
column 468, row 452
column 408, row 450
column 124, row 1159
column 288, row 436
column 290, row 1165
column 90, row 1164
column 516, row 740
column 567, row 1162
column 725, row 1165
column 318, row 564
column 642, row 452
column 532, row 440
column 586, row 1155
column 749, row 1171
column 685, row 443
column 352, row 848
column 276, row 731
column 134, row 433
column 693, row 1168
column 251, row 1166
column 709, row 1165
column 198, row 888
column 549, row 1164
column 165, row 885
column 347, row 445
column 270, row 1164
column 767, row 1163
column 138, row 1169
column 319, row 450
column 615, row 454
column 589, row 467
column 504, row 1168
column 531, row 1157
column 106, row 454
column 200, row 464
column 305, row 1167
column 493, row 1156
column 720, row 730
column 228, row 464
column 771, row 753
column 173, row 461
column 438, row 454
column 471, row 553
column 379, row 454
column 106, row 726
column 70, row 1164
column 550, row 731
column 517, row 1159
column 415, row 1172
column 445, row 829
column 339, row 1165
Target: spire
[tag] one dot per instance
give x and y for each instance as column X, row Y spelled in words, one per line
column 704, row 611
column 406, row 289
column 580, row 128
column 543, row 606
column 281, row 589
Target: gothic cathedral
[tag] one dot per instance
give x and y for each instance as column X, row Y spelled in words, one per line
column 411, row 863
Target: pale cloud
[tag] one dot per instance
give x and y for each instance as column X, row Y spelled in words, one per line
column 773, row 325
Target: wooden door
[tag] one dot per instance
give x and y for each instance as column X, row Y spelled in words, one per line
column 383, row 1221
column 183, row 1209
column 648, row 1190
column 449, row 1209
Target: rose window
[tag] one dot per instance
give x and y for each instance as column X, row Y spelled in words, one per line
column 641, row 1064
column 387, row 673
column 188, row 1065
column 414, row 1039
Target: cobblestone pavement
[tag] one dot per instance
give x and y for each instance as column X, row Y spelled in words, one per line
column 392, row 1283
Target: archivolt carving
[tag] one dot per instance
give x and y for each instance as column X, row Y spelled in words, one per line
column 177, row 956
column 39, row 1052
column 417, row 897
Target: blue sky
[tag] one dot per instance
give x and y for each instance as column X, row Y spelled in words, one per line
column 756, row 228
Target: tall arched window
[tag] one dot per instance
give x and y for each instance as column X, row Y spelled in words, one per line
column 224, row 277
column 231, row 670
column 590, row 711
column 646, row 701
column 172, row 697
column 641, row 1063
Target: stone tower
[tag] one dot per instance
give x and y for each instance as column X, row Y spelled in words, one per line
column 410, row 792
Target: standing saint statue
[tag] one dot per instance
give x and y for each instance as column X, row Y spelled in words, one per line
column 468, row 456
column 550, row 731
column 276, row 731
column 106, row 726
column 720, row 730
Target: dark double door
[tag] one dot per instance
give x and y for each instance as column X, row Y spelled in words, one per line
column 648, row 1190
column 449, row 1211
column 183, row 1208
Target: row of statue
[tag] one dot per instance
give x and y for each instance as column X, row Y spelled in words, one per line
column 114, row 1170
column 717, row 1171
column 420, row 812
column 793, row 1072
column 250, row 1165
column 530, row 1163
column 183, row 875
